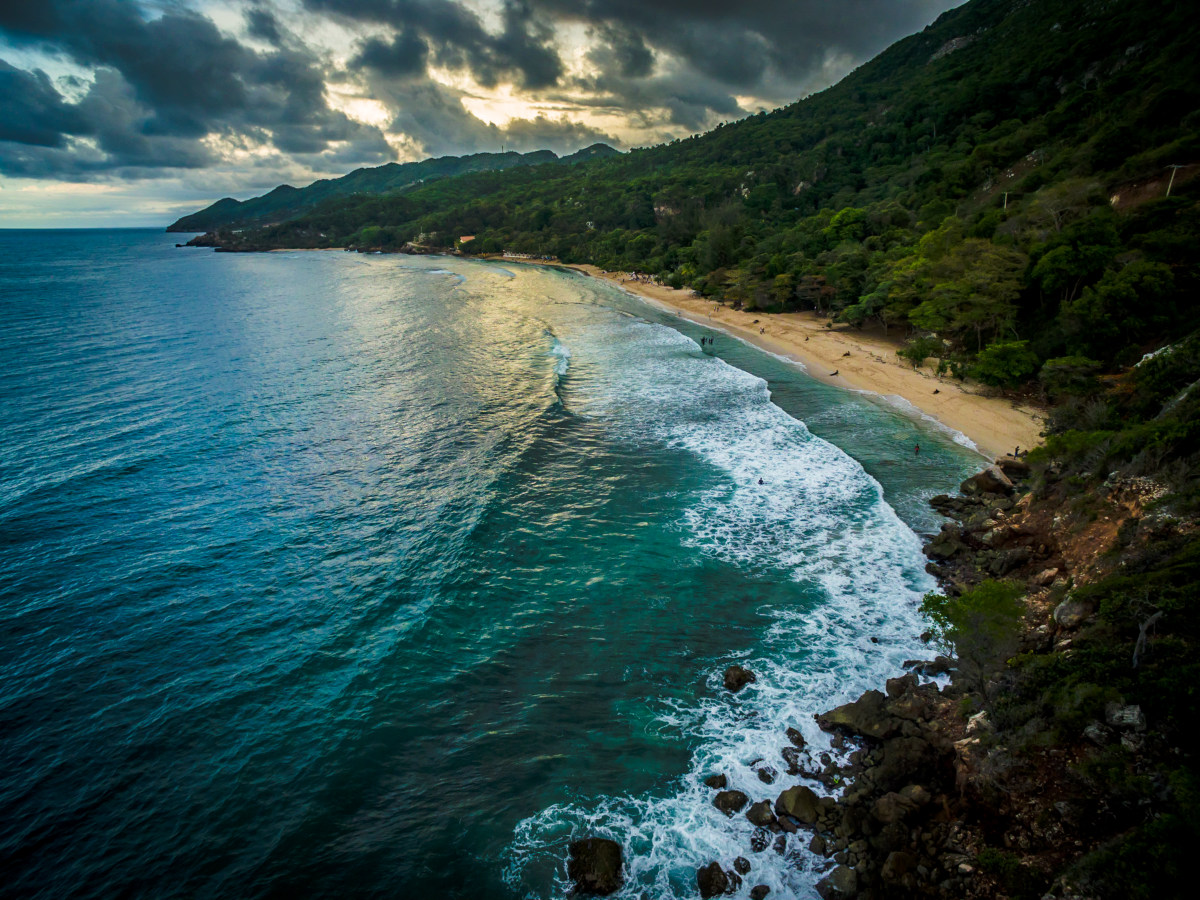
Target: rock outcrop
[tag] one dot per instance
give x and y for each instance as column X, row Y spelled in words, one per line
column 594, row 865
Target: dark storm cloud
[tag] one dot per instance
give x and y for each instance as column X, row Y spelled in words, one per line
column 620, row 51
column 162, row 77
column 182, row 79
column 402, row 56
column 734, row 40
column 262, row 24
column 522, row 50
column 33, row 112
column 774, row 49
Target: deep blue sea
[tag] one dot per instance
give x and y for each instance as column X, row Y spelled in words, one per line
column 341, row 575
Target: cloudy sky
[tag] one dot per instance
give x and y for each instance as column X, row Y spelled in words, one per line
column 132, row 112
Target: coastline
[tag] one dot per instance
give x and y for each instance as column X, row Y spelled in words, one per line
column 863, row 362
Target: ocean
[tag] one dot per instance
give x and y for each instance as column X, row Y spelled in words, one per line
column 343, row 575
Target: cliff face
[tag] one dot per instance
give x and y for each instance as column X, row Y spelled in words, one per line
column 1060, row 770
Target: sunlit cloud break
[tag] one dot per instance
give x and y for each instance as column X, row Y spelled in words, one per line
column 172, row 104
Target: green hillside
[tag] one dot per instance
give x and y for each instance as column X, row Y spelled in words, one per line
column 286, row 202
column 997, row 179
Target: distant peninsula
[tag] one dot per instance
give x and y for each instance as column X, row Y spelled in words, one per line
column 287, row 202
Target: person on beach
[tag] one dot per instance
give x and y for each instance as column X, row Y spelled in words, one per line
column 917, row 450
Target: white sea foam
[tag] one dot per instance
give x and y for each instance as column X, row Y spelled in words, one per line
column 908, row 408
column 562, row 356
column 820, row 519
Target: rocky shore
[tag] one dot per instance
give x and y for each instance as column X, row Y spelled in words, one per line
column 927, row 794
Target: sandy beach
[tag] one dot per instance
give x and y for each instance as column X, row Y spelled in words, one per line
column 861, row 361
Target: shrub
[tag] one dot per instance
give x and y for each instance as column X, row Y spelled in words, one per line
column 981, row 626
column 1005, row 365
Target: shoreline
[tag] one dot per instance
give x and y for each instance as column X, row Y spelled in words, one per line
column 863, row 362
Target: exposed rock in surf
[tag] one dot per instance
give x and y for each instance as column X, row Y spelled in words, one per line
column 990, row 481
column 595, row 865
column 737, row 677
column 865, row 716
column 767, row 774
column 714, row 881
column 791, row 756
column 794, row 735
column 741, row 865
column 759, row 891
column 760, row 814
column 939, row 665
column 799, row 802
column 719, row 782
column 730, row 802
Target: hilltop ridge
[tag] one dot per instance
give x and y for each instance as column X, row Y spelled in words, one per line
column 286, row 202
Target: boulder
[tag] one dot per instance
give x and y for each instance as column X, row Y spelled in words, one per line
column 594, row 865
column 759, row 891
column 767, row 774
column 717, row 782
column 898, row 685
column 841, row 883
column 979, row 723
column 759, row 840
column 1126, row 718
column 896, row 866
column 760, row 814
column 1072, row 613
column 946, row 544
column 990, row 481
column 865, row 716
column 712, row 880
column 730, row 802
column 1014, row 468
column 1097, row 733
column 1046, row 577
column 737, row 678
column 800, row 802
column 1006, row 560
column 939, row 665
column 892, row 807
column 817, row 845
column 741, row 865
column 794, row 735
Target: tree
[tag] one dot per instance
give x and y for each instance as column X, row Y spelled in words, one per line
column 1119, row 309
column 1005, row 364
column 975, row 288
column 981, row 626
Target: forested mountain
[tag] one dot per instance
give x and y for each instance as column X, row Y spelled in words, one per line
column 286, row 202
column 998, row 180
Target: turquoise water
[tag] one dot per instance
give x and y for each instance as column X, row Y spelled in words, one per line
column 334, row 575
